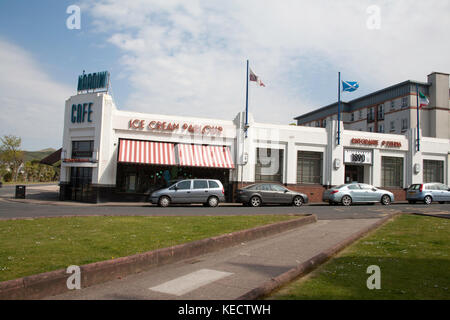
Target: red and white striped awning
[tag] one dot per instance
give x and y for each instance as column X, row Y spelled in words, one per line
column 193, row 155
column 147, row 152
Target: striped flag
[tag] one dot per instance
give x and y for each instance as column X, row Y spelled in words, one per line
column 423, row 100
column 254, row 77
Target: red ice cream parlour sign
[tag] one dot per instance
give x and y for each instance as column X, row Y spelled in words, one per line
column 172, row 126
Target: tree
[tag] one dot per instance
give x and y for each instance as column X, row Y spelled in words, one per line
column 10, row 154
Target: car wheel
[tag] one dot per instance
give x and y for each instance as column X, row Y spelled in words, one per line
column 386, row 200
column 164, row 201
column 213, row 201
column 255, row 201
column 298, row 201
column 346, row 200
column 427, row 200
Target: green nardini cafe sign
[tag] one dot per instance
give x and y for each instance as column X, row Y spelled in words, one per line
column 81, row 113
column 93, row 81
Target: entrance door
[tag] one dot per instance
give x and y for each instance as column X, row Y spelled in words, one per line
column 80, row 180
column 354, row 173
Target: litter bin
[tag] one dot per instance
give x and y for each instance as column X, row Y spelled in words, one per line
column 20, row 192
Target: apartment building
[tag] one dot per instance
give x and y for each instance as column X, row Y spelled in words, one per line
column 392, row 110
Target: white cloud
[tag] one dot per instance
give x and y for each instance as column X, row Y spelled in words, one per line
column 188, row 57
column 32, row 104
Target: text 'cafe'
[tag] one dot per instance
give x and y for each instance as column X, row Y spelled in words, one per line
column 114, row 155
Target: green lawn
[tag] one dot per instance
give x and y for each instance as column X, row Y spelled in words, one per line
column 33, row 246
column 413, row 253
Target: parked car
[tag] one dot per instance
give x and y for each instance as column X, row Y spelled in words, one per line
column 357, row 193
column 428, row 192
column 269, row 193
column 207, row 191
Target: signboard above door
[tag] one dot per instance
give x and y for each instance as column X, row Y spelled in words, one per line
column 357, row 156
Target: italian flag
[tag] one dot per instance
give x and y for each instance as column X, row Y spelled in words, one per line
column 423, row 100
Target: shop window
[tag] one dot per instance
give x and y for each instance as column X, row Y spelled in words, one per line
column 269, row 165
column 433, row 171
column 80, row 176
column 392, row 171
column 309, row 167
column 82, row 149
column 130, row 183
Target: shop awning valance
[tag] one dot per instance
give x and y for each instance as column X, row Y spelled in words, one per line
column 147, row 152
column 204, row 156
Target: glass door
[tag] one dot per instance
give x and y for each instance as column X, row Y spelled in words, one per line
column 80, row 180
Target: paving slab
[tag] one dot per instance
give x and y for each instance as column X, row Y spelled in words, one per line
column 230, row 272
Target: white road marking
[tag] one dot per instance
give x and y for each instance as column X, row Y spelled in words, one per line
column 190, row 282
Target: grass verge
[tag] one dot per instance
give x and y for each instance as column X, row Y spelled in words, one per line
column 413, row 253
column 34, row 246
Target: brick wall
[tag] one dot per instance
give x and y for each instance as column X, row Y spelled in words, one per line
column 313, row 191
column 399, row 194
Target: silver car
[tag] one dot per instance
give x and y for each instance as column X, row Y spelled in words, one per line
column 357, row 193
column 428, row 192
column 207, row 191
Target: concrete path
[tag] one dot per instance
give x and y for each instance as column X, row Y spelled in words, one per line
column 228, row 273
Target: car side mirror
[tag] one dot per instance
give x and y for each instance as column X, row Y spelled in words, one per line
column 175, row 188
column 285, row 191
column 374, row 189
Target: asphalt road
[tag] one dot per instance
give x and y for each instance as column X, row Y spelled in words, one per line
column 9, row 209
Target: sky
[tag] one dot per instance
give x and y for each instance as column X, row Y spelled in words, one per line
column 188, row 57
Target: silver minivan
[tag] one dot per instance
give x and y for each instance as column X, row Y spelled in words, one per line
column 428, row 192
column 206, row 191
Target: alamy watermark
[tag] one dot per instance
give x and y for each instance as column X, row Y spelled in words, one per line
column 373, row 22
column 73, row 281
column 374, row 281
column 74, row 20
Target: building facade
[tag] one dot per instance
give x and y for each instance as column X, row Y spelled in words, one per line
column 114, row 155
column 392, row 110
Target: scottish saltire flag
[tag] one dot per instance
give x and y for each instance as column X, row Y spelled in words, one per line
column 349, row 86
